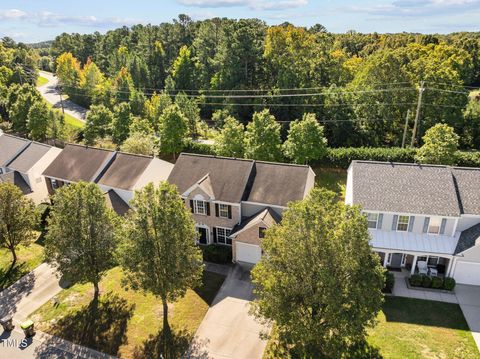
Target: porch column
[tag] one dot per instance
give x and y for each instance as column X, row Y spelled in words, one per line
column 414, row 264
column 385, row 258
column 449, row 268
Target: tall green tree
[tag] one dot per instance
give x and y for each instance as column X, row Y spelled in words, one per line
column 230, row 141
column 184, row 73
column 159, row 254
column 172, row 130
column 17, row 219
column 38, row 121
column 262, row 138
column 440, row 145
column 190, row 110
column 20, row 101
column 122, row 119
column 98, row 123
column 155, row 106
column 319, row 281
column 305, row 141
column 82, row 234
column 139, row 143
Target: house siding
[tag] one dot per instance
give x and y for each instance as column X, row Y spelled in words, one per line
column 471, row 255
column 249, row 236
column 467, row 222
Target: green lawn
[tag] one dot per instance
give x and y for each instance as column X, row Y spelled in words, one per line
column 41, row 81
column 411, row 328
column 332, row 179
column 29, row 257
column 70, row 120
column 414, row 328
column 127, row 323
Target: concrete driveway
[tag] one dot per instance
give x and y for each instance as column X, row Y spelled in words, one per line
column 228, row 331
column 468, row 297
column 52, row 95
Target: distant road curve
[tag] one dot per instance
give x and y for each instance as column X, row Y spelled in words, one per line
column 51, row 94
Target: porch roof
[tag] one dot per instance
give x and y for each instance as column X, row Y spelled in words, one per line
column 407, row 241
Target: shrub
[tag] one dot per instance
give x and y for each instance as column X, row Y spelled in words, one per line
column 468, row 159
column 426, row 281
column 217, row 254
column 437, row 282
column 389, row 282
column 449, row 283
column 198, row 148
column 415, row 280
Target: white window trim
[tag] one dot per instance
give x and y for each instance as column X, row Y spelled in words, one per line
column 376, row 221
column 398, row 222
column 220, row 210
column 439, row 226
column 226, row 235
column 195, row 207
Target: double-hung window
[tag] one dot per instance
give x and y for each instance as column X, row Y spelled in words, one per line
column 222, row 236
column 402, row 224
column 223, row 210
column 434, row 225
column 372, row 219
column 200, row 207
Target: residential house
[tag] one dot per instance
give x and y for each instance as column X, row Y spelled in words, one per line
column 234, row 200
column 421, row 213
column 22, row 162
column 117, row 174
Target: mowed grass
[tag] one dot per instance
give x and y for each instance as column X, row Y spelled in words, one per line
column 332, row 179
column 29, row 257
column 414, row 328
column 41, row 81
column 127, row 323
column 70, row 120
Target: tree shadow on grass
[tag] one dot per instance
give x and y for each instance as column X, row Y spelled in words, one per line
column 182, row 345
column 101, row 326
column 211, row 283
column 9, row 276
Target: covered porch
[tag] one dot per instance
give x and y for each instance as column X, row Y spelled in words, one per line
column 415, row 263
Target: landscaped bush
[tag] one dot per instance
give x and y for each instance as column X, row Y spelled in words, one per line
column 389, row 282
column 468, row 159
column 416, row 280
column 449, row 283
column 199, row 148
column 426, row 281
column 437, row 283
column 217, row 254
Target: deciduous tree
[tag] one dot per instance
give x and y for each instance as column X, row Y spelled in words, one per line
column 172, row 129
column 262, row 138
column 440, row 144
column 230, row 141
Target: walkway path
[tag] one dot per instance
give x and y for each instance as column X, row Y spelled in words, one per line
column 51, row 94
column 228, row 330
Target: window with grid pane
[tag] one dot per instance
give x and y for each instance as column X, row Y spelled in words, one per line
column 223, row 210
column 402, row 224
column 372, row 219
column 222, row 236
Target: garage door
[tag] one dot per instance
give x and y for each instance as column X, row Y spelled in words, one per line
column 248, row 253
column 467, row 273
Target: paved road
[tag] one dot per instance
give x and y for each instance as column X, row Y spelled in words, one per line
column 228, row 330
column 51, row 94
column 469, row 299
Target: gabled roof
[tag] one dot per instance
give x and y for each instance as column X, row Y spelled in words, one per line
column 468, row 239
column 10, row 147
column 277, row 183
column 16, row 179
column 115, row 202
column 124, row 171
column 235, row 180
column 78, row 163
column 228, row 176
column 266, row 215
column 467, row 181
column 404, row 188
column 29, row 157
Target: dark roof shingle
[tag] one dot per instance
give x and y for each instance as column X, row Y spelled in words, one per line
column 467, row 181
column 78, row 163
column 29, row 157
column 16, row 179
column 115, row 202
column 468, row 239
column 124, row 171
column 10, row 146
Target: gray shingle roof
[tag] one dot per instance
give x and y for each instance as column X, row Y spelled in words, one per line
column 115, row 202
column 467, row 181
column 404, row 188
column 233, row 180
column 468, row 238
column 10, row 146
column 267, row 215
column 16, row 179
column 125, row 170
column 78, row 163
column 29, row 157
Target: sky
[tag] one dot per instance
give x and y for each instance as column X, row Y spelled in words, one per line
column 39, row 20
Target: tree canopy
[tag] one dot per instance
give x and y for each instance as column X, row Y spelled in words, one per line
column 440, row 145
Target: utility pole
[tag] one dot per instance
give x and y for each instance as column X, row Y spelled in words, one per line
column 405, row 129
column 61, row 100
column 417, row 115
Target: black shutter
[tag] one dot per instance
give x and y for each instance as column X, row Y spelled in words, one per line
column 216, row 210
column 208, row 208
column 215, row 234
column 229, row 212
column 191, row 205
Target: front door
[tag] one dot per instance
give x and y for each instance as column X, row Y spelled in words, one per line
column 203, row 235
column 396, row 260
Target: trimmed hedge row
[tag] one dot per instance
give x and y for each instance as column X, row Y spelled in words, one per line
column 419, row 280
column 343, row 156
column 217, row 253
